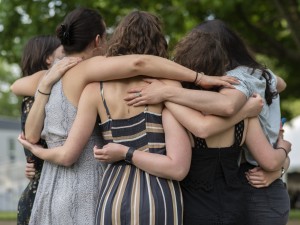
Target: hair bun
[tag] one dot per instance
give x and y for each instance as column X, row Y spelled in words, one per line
column 64, row 34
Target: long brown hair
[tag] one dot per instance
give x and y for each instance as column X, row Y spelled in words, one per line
column 237, row 51
column 200, row 52
column 138, row 33
column 35, row 53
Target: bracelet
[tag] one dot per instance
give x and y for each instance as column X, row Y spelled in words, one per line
column 282, row 172
column 196, row 77
column 200, row 77
column 129, row 154
column 286, row 153
column 43, row 93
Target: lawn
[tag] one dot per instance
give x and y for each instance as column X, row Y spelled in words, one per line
column 294, row 215
column 8, row 216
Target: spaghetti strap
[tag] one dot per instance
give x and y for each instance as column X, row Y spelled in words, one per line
column 103, row 99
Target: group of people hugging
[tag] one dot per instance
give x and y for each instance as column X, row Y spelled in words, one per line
column 117, row 132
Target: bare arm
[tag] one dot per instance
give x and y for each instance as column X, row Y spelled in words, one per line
column 26, row 86
column 118, row 67
column 281, row 84
column 35, row 120
column 225, row 103
column 79, row 135
column 260, row 178
column 268, row 158
column 174, row 165
column 206, row 125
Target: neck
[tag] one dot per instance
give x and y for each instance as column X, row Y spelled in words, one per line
column 86, row 54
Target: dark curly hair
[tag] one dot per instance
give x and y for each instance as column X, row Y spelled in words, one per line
column 138, row 33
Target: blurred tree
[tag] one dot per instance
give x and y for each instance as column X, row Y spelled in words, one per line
column 270, row 28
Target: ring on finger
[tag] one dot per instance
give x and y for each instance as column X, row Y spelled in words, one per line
column 138, row 94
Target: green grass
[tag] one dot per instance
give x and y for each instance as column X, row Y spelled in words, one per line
column 295, row 214
column 8, row 215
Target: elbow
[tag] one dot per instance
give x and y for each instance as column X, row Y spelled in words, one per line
column 180, row 173
column 32, row 139
column 229, row 110
column 13, row 89
column 138, row 64
column 67, row 161
column 202, row 130
column 272, row 165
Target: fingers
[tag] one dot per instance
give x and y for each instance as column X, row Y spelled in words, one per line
column 232, row 80
column 226, row 84
column 135, row 90
column 131, row 96
column 30, row 171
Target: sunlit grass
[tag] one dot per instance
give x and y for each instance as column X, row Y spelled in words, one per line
column 8, row 215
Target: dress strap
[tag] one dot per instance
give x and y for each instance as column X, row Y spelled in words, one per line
column 238, row 133
column 103, row 99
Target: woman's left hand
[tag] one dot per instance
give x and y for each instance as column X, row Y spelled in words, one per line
column 259, row 178
column 208, row 82
column 111, row 152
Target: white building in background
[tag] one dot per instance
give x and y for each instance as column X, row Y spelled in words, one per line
column 12, row 165
column 292, row 134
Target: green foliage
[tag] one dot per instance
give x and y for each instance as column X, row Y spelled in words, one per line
column 270, row 28
column 295, row 214
column 8, row 216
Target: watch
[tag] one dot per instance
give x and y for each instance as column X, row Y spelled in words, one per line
column 282, row 172
column 129, row 154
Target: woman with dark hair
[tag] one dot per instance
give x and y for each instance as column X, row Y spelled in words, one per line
column 151, row 133
column 39, row 53
column 212, row 191
column 270, row 204
column 67, row 192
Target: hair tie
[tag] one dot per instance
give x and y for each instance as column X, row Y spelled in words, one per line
column 65, row 35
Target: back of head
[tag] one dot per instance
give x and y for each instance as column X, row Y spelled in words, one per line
column 236, row 51
column 138, row 33
column 79, row 28
column 201, row 52
column 233, row 45
column 36, row 52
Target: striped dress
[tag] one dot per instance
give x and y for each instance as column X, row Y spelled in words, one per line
column 129, row 195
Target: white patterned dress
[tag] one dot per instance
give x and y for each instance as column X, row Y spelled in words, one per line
column 66, row 195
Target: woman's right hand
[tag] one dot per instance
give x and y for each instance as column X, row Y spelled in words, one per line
column 30, row 171
column 26, row 144
column 58, row 69
column 253, row 106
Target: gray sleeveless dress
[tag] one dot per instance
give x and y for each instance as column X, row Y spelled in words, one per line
column 66, row 195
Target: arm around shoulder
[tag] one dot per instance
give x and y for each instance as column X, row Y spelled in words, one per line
column 27, row 86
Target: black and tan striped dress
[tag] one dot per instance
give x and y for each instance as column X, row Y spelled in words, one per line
column 129, row 195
